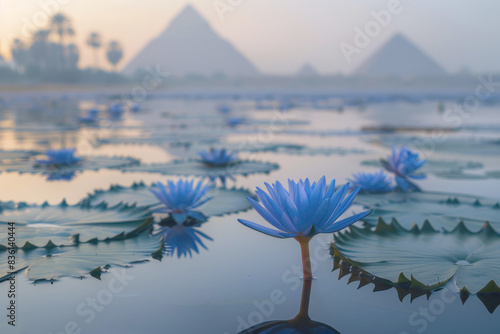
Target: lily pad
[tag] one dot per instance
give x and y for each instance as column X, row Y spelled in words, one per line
column 169, row 137
column 224, row 200
column 49, row 226
column 23, row 259
column 86, row 259
column 197, row 168
column 453, row 144
column 450, row 169
column 445, row 210
column 423, row 258
column 277, row 148
column 89, row 163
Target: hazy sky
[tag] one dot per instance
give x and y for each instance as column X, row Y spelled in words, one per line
column 278, row 36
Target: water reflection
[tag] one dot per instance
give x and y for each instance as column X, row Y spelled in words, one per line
column 301, row 324
column 490, row 300
column 67, row 175
column 182, row 239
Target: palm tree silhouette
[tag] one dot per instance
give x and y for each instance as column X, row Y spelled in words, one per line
column 38, row 48
column 19, row 52
column 61, row 25
column 95, row 42
column 73, row 56
column 114, row 53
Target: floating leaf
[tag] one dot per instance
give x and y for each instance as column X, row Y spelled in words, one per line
column 274, row 147
column 23, row 259
column 168, row 137
column 49, row 226
column 83, row 259
column 423, row 258
column 197, row 168
column 89, row 163
column 453, row 144
column 449, row 169
column 224, row 200
column 443, row 209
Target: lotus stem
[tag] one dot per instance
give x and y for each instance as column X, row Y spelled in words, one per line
column 306, row 259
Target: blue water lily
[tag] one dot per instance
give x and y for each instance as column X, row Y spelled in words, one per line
column 58, row 158
column 303, row 211
column 135, row 107
column 378, row 182
column 180, row 199
column 116, row 110
column 218, row 157
column 404, row 164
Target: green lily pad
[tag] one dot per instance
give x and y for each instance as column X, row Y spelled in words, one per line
column 450, row 169
column 23, row 259
column 50, row 226
column 89, row 163
column 453, row 144
column 225, row 201
column 91, row 259
column 197, row 168
column 168, row 137
column 277, row 148
column 445, row 210
column 423, row 258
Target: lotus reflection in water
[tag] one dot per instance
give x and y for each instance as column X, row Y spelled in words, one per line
column 301, row 324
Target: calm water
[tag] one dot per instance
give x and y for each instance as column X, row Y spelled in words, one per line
column 244, row 277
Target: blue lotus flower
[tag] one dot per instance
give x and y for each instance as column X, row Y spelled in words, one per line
column 224, row 109
column 303, row 211
column 371, row 182
column 58, row 158
column 135, row 107
column 183, row 239
column 404, row 164
column 116, row 110
column 234, row 121
column 218, row 157
column 179, row 199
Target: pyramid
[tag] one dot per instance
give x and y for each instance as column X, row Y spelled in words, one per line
column 307, row 70
column 399, row 57
column 189, row 45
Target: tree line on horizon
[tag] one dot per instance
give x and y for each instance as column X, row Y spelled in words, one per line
column 53, row 50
